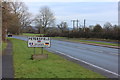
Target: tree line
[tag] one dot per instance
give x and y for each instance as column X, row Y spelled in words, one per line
column 107, row 31
column 15, row 17
column 16, row 20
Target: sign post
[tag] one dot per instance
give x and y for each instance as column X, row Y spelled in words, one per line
column 42, row 42
column 34, row 50
column 42, row 50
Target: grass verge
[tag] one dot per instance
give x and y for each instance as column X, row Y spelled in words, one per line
column 4, row 45
column 53, row 67
column 30, row 34
column 85, row 41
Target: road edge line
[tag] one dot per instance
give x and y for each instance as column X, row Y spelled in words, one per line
column 89, row 63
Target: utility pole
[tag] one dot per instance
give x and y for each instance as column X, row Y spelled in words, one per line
column 77, row 23
column 73, row 23
column 84, row 24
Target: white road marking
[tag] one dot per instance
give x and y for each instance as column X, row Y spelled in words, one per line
column 89, row 64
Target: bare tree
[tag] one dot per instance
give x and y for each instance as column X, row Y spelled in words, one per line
column 25, row 20
column 21, row 11
column 45, row 18
column 107, row 26
column 15, row 17
column 63, row 26
column 6, row 16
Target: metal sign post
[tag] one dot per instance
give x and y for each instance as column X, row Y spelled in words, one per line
column 34, row 50
column 41, row 50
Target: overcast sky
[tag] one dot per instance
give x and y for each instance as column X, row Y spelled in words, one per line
column 93, row 12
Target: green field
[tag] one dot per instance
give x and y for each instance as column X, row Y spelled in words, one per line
column 84, row 40
column 78, row 39
column 30, row 34
column 53, row 67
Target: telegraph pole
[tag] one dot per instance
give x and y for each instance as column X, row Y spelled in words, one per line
column 84, row 24
column 77, row 23
column 73, row 23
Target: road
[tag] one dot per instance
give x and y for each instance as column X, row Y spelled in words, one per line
column 101, row 58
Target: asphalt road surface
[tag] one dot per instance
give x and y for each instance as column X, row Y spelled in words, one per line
column 101, row 58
